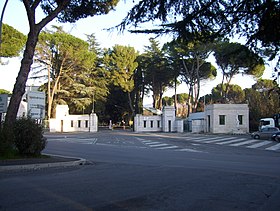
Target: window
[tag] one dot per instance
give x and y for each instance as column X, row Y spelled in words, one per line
column 222, row 119
column 158, row 123
column 240, row 119
column 86, row 123
column 79, row 123
column 152, row 123
column 72, row 123
column 145, row 123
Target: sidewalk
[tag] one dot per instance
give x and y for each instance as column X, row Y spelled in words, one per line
column 39, row 163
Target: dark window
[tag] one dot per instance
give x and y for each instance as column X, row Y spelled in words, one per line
column 72, row 123
column 240, row 119
column 145, row 123
column 79, row 123
column 152, row 124
column 222, row 119
column 86, row 123
column 158, row 123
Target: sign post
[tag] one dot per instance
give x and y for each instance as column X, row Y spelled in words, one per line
column 3, row 104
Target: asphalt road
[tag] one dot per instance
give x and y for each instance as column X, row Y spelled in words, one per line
column 128, row 171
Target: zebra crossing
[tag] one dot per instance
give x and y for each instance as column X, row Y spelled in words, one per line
column 163, row 146
column 235, row 142
column 193, row 141
column 225, row 141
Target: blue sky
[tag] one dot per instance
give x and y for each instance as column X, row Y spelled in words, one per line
column 15, row 16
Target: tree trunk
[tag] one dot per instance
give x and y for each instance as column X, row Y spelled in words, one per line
column 27, row 60
column 130, row 104
column 19, row 87
column 175, row 96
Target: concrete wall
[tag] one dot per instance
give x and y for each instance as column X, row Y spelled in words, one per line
column 147, row 123
column 224, row 118
column 165, row 122
column 72, row 123
column 168, row 119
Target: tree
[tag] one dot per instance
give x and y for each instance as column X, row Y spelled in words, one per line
column 4, row 91
column 122, row 64
column 157, row 73
column 235, row 94
column 257, row 21
column 190, row 59
column 71, row 68
column 13, row 42
column 233, row 59
column 262, row 102
column 65, row 11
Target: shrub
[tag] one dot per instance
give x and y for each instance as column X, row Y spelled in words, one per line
column 29, row 139
column 6, row 140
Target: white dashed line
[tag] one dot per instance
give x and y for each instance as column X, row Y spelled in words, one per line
column 259, row 144
column 244, row 143
column 232, row 141
column 169, row 147
column 275, row 147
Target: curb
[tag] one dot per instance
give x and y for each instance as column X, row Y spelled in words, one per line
column 77, row 162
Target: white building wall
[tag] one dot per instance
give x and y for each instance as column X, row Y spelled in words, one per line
column 168, row 119
column 147, row 123
column 230, row 113
column 165, row 122
column 72, row 123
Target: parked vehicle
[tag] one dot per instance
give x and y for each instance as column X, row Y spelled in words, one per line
column 265, row 133
column 276, row 137
column 270, row 122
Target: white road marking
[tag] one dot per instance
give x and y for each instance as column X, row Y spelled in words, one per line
column 218, row 140
column 151, row 143
column 244, row 143
column 232, row 141
column 169, row 147
column 188, row 150
column 158, row 145
column 274, row 147
column 205, row 139
column 260, row 144
column 147, row 141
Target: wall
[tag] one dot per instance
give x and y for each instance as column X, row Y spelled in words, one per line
column 72, row 123
column 141, row 126
column 165, row 122
column 231, row 122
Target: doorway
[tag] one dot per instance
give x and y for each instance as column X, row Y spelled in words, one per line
column 169, row 126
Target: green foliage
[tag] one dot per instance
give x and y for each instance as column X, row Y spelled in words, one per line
column 188, row 58
column 3, row 91
column 157, row 72
column 6, row 140
column 167, row 101
column 122, row 64
column 76, row 77
column 12, row 42
column 257, row 21
column 235, row 94
column 76, row 10
column 234, row 58
column 29, row 139
column 64, row 11
column 263, row 102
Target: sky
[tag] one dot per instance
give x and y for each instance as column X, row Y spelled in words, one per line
column 15, row 16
